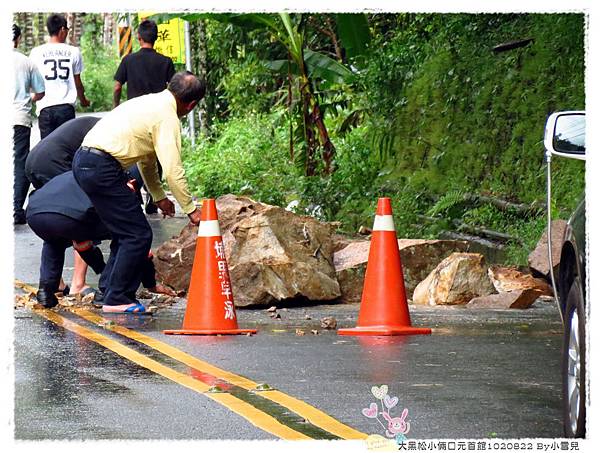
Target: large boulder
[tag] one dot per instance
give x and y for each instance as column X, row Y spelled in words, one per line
column 522, row 298
column 272, row 254
column 455, row 281
column 175, row 257
column 278, row 255
column 507, row 279
column 538, row 259
column 419, row 257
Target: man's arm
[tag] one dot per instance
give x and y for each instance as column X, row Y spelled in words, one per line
column 120, row 80
column 149, row 171
column 170, row 71
column 166, row 136
column 37, row 87
column 80, row 91
column 77, row 70
column 117, row 93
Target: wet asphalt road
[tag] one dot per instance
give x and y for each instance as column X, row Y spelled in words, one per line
column 482, row 374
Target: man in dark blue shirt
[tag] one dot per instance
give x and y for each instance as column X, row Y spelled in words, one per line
column 53, row 155
column 62, row 215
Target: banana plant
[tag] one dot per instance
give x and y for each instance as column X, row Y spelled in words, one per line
column 302, row 67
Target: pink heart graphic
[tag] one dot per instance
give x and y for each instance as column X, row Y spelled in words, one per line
column 370, row 411
column 390, row 402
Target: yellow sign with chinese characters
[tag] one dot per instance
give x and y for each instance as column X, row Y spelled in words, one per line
column 171, row 40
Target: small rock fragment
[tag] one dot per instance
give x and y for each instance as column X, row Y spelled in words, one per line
column 144, row 294
column 364, row 230
column 314, row 332
column 106, row 324
column 300, row 332
column 88, row 299
column 272, row 309
column 67, row 301
column 215, row 389
column 329, row 322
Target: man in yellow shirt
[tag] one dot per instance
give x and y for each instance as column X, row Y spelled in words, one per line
column 142, row 130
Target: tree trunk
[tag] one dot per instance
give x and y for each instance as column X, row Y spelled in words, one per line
column 108, row 29
column 521, row 209
column 491, row 234
column 310, row 168
column 71, row 24
column 314, row 119
column 290, row 101
column 200, row 69
column 41, row 29
column 27, row 31
column 77, row 32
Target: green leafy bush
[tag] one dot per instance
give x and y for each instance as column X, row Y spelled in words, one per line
column 249, row 156
column 248, row 85
column 100, row 65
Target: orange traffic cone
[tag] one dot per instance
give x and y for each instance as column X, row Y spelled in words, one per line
column 383, row 308
column 210, row 309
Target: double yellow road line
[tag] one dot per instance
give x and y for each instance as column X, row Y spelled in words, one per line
column 259, row 417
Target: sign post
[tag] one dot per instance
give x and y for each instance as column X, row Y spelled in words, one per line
column 188, row 66
column 125, row 41
column 174, row 42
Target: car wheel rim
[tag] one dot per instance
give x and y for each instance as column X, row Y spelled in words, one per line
column 573, row 379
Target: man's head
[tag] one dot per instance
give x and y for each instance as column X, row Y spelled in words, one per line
column 188, row 90
column 147, row 32
column 16, row 35
column 57, row 27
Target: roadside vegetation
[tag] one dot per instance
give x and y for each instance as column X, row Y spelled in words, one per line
column 327, row 112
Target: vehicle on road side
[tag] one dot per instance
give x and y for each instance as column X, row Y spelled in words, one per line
column 565, row 137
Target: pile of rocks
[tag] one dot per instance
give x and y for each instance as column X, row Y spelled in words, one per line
column 275, row 255
column 464, row 279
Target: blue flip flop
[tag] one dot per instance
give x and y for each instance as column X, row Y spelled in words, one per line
column 141, row 310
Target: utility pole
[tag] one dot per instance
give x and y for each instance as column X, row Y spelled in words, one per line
column 188, row 66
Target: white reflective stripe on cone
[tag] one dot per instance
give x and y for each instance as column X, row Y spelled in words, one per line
column 384, row 223
column 209, row 228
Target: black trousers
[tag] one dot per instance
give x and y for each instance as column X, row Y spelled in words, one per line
column 21, row 136
column 52, row 117
column 105, row 182
column 58, row 231
column 148, row 275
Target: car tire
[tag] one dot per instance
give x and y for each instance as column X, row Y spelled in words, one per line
column 573, row 364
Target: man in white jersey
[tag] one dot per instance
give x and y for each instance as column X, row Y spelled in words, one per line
column 28, row 88
column 61, row 65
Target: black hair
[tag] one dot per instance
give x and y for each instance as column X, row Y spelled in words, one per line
column 148, row 31
column 54, row 23
column 186, row 87
column 16, row 32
